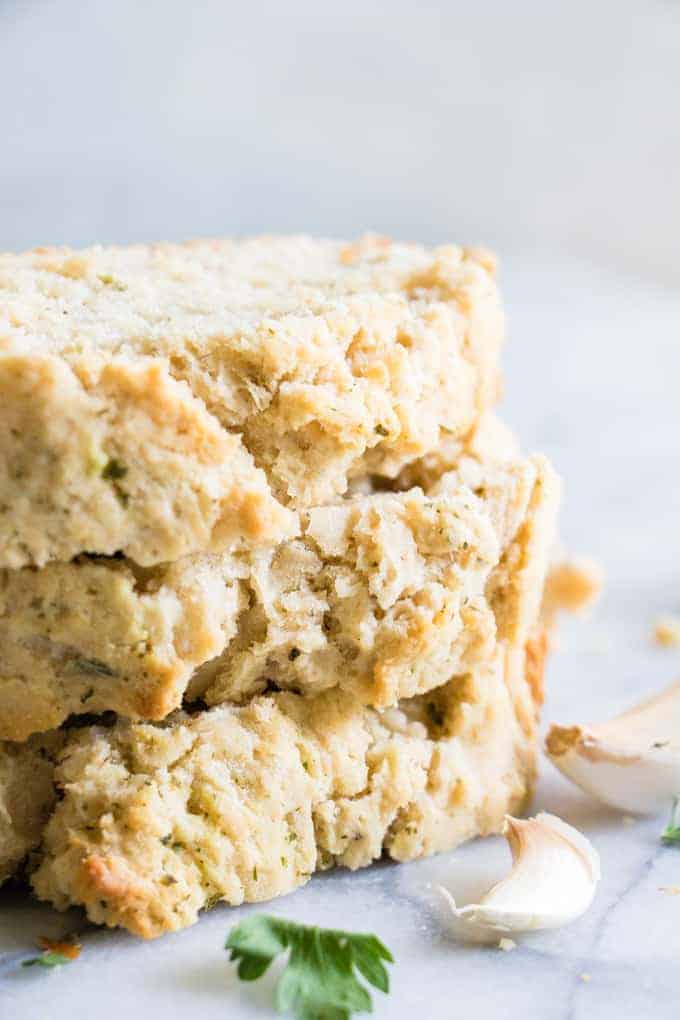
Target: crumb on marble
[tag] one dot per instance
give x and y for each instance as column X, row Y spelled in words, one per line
column 507, row 945
column 71, row 950
column 572, row 586
column 667, row 631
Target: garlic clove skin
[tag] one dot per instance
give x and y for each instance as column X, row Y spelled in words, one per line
column 631, row 762
column 552, row 882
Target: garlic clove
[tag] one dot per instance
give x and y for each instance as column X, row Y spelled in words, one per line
column 631, row 762
column 552, row 882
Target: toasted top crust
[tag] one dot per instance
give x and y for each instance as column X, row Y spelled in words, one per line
column 166, row 399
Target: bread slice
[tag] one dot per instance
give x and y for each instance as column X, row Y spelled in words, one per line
column 244, row 803
column 384, row 595
column 167, row 399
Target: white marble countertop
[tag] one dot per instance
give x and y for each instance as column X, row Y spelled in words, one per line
column 593, row 365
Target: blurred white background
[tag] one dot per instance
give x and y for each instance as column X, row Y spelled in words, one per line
column 535, row 125
column 548, row 129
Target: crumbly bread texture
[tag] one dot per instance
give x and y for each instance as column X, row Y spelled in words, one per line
column 488, row 442
column 167, row 399
column 244, row 803
column 385, row 595
column 27, row 796
column 389, row 596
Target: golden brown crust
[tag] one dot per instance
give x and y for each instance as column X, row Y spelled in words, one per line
column 537, row 648
column 113, row 880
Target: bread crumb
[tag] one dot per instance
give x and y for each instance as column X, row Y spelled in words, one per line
column 572, row 585
column 585, row 977
column 672, row 890
column 667, row 631
column 71, row 950
column 507, row 945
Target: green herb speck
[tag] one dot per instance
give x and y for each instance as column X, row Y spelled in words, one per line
column 47, row 959
column 111, row 281
column 95, row 666
column 114, row 470
column 671, row 834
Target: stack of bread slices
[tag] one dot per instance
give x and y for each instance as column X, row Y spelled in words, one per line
column 271, row 571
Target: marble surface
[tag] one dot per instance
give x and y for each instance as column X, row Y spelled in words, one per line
column 593, row 363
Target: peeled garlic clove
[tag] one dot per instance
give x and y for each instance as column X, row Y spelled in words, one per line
column 631, row 762
column 554, row 874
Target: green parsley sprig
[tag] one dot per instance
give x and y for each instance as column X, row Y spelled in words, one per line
column 320, row 980
column 47, row 959
column 671, row 834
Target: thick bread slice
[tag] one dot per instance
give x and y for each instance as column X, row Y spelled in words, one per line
column 243, row 804
column 385, row 595
column 140, row 387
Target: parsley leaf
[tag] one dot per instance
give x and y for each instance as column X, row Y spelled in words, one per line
column 320, row 981
column 671, row 834
column 48, row 959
